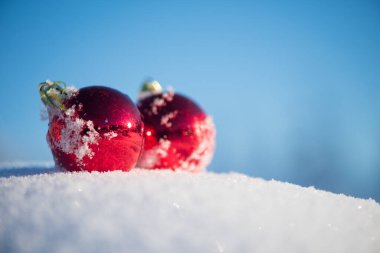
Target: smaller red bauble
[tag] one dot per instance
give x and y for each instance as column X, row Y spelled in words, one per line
column 179, row 135
column 93, row 129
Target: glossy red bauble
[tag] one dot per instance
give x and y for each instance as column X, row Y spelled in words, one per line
column 96, row 129
column 178, row 133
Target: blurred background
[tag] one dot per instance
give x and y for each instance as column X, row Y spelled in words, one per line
column 293, row 86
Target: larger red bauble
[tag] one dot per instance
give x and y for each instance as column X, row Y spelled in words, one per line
column 178, row 133
column 99, row 129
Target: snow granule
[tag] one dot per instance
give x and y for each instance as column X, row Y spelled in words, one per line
column 165, row 211
column 202, row 155
column 111, row 134
column 161, row 101
column 163, row 148
column 72, row 140
column 165, row 119
column 73, row 143
column 169, row 95
column 149, row 158
column 157, row 103
column 198, row 160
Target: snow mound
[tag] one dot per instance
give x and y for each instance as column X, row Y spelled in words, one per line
column 164, row 211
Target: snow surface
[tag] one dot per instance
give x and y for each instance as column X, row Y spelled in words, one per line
column 43, row 210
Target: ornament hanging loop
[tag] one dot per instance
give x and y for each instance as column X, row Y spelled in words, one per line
column 52, row 93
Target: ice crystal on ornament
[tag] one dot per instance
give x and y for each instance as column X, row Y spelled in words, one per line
column 161, row 101
column 54, row 110
column 202, row 155
column 158, row 102
column 163, row 148
column 153, row 156
column 71, row 141
column 110, row 135
column 169, row 95
column 165, row 119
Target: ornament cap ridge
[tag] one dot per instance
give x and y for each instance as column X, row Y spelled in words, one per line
column 149, row 88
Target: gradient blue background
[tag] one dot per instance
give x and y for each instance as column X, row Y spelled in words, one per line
column 294, row 87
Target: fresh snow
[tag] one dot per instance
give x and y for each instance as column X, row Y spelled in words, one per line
column 71, row 140
column 43, row 210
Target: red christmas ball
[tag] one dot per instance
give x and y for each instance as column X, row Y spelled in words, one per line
column 94, row 128
column 179, row 135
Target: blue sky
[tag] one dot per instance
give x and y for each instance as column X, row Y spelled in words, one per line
column 293, row 86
